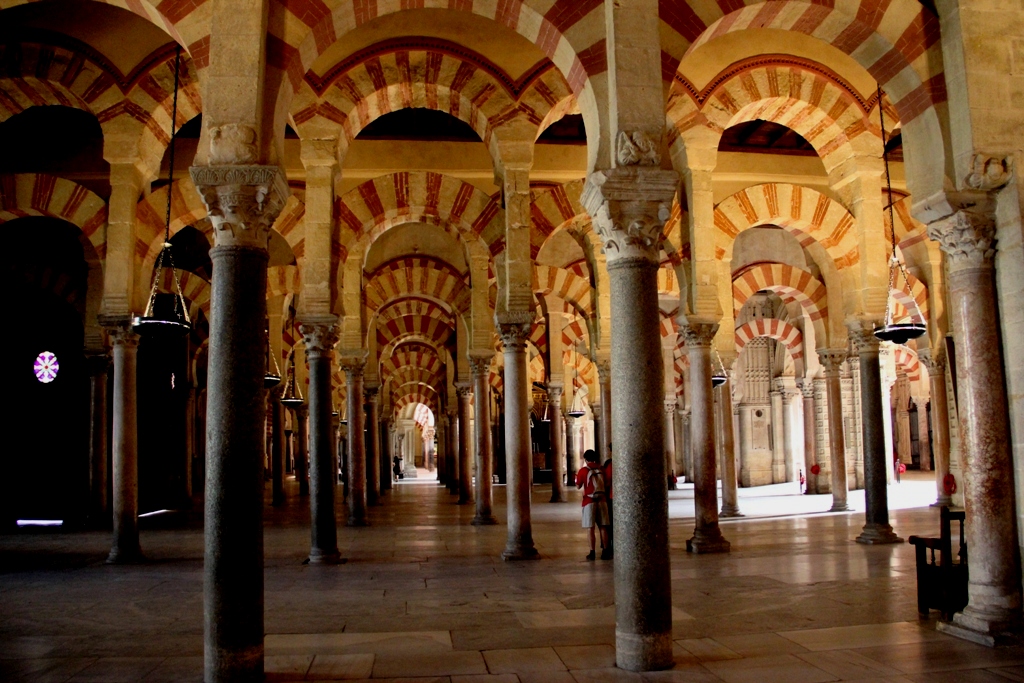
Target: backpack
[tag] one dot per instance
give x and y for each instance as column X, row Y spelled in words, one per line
column 596, row 476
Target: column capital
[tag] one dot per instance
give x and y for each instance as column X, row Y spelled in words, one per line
column 698, row 334
column 936, row 363
column 514, row 327
column 122, row 335
column 832, row 359
column 301, row 410
column 242, row 201
column 320, row 338
column 555, row 393
column 670, row 407
column 630, row 204
column 371, row 393
column 353, row 361
column 480, row 362
column 97, row 363
column 463, row 389
column 453, row 413
column 967, row 236
column 807, row 387
column 862, row 334
column 604, row 371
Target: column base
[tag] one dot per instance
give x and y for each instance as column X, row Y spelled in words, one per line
column 942, row 500
column 982, row 629
column 557, row 499
column 484, row 520
column 704, row 543
column 731, row 511
column 643, row 652
column 125, row 556
column 839, row 507
column 355, row 521
column 520, row 553
column 878, row 534
column 325, row 557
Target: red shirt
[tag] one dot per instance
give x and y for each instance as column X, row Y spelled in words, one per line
column 586, row 482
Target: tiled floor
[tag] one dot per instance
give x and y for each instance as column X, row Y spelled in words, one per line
column 424, row 595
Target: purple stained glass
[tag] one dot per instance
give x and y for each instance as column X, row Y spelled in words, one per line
column 46, row 367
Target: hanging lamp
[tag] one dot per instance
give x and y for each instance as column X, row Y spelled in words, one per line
column 718, row 374
column 292, row 393
column 575, row 409
column 272, row 373
column 163, row 317
column 897, row 333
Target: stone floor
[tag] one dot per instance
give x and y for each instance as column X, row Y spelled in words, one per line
column 425, row 595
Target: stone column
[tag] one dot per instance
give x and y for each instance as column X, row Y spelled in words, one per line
column 707, row 536
column 302, row 450
column 242, row 202
column 723, row 422
column 515, row 330
column 354, row 364
column 125, row 442
column 923, row 439
column 967, row 239
column 98, row 365
column 810, row 439
column 385, row 456
column 604, row 378
column 452, row 456
column 876, row 528
column 277, row 447
column 677, row 428
column 372, row 444
column 465, row 394
column 442, row 449
column 480, row 368
column 320, row 340
column 936, row 364
column 778, row 454
column 670, row 436
column 787, row 434
column 570, row 447
column 557, row 437
column 688, row 444
column 832, row 360
column 629, row 205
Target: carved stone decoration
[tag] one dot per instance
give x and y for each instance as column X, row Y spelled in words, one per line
column 480, row 362
column 968, row 239
column 320, row 339
column 629, row 207
column 514, row 327
column 233, row 143
column 936, row 363
column 243, row 201
column 122, row 335
column 832, row 359
column 989, row 172
column 697, row 334
column 862, row 335
column 636, row 149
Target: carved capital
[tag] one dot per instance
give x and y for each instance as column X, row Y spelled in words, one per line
column 936, row 363
column 636, row 149
column 629, row 206
column 97, row 364
column 320, row 339
column 699, row 335
column 604, row 371
column 371, row 393
column 832, row 359
column 555, row 393
column 862, row 335
column 989, row 172
column 463, row 390
column 670, row 407
column 807, row 388
column 243, row 201
column 967, row 237
column 514, row 327
column 353, row 362
column 122, row 335
column 480, row 362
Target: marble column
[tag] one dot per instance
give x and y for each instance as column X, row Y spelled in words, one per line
column 707, row 536
column 810, row 439
column 125, row 447
column 442, row 449
column 302, row 449
column 320, row 340
column 465, row 394
column 371, row 444
column 557, row 437
column 354, row 365
column 480, row 369
column 723, row 422
column 386, row 483
column 832, row 361
column 778, row 453
column 936, row 364
column 787, row 435
column 515, row 330
column 277, row 447
column 629, row 205
column 98, row 365
column 876, row 456
column 242, row 202
column 604, row 378
column 452, row 457
column 570, row 447
column 670, row 436
column 688, row 444
column 967, row 239
column 923, row 439
column 677, row 428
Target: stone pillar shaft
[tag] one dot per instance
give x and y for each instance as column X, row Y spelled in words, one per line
column 557, row 437
column 465, row 394
column 518, row 455
column 372, row 446
column 606, row 436
column 810, row 438
column 125, row 444
column 940, row 425
column 323, row 481
column 357, row 499
column 277, row 448
column 723, row 422
column 994, row 585
column 570, row 446
column 98, row 436
column 832, row 360
column 481, row 369
column 302, row 450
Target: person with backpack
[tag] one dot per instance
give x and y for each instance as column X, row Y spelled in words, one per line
column 591, row 478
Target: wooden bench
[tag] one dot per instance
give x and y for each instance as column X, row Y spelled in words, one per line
column 942, row 581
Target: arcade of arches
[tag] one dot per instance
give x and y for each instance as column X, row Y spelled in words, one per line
column 459, row 222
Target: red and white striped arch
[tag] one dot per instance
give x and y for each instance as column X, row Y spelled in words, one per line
column 907, row 360
column 897, row 42
column 792, row 284
column 413, row 306
column 779, row 330
column 433, row 330
column 806, row 214
column 421, row 276
column 565, row 285
column 38, row 194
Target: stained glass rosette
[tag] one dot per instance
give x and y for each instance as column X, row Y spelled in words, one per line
column 46, row 367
